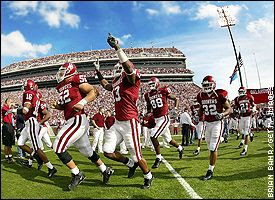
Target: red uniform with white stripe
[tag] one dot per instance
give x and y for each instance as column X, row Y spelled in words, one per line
column 32, row 128
column 211, row 105
column 244, row 104
column 158, row 101
column 126, row 126
column 75, row 129
column 200, row 126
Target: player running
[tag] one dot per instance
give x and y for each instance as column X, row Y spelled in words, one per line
column 245, row 104
column 157, row 100
column 74, row 93
column 125, row 87
column 215, row 106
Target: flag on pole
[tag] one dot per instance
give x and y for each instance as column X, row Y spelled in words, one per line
column 234, row 74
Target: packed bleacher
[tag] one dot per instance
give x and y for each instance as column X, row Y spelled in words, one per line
column 91, row 55
column 185, row 91
column 144, row 70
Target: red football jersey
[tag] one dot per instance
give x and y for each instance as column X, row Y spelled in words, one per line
column 42, row 107
column 70, row 94
column 244, row 104
column 126, row 96
column 157, row 100
column 30, row 97
column 109, row 121
column 99, row 119
column 195, row 109
column 149, row 121
column 213, row 104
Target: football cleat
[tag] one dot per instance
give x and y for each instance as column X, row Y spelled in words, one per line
column 180, row 153
column 76, row 180
column 238, row 136
column 26, row 163
column 51, row 172
column 240, row 145
column 132, row 170
column 197, row 152
column 147, row 183
column 208, row 175
column 251, row 137
column 106, row 174
column 39, row 166
column 243, row 153
column 157, row 163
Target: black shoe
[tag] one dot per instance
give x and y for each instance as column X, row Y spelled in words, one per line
column 238, row 136
column 225, row 140
column 180, row 153
column 208, row 175
column 240, row 145
column 132, row 170
column 243, row 153
column 51, row 172
column 106, row 174
column 197, row 152
column 157, row 163
column 26, row 163
column 147, row 183
column 39, row 166
column 76, row 180
column 251, row 137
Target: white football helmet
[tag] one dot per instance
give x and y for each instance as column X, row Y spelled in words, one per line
column 118, row 69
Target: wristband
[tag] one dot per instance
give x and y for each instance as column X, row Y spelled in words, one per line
column 83, row 102
column 121, row 55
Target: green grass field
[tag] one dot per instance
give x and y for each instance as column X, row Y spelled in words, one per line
column 234, row 177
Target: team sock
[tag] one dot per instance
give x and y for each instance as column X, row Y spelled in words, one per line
column 179, row 147
column 130, row 163
column 102, row 167
column 75, row 170
column 10, row 155
column 245, row 147
column 148, row 175
column 6, row 156
column 49, row 165
column 159, row 156
column 198, row 148
column 242, row 141
column 30, row 161
column 211, row 167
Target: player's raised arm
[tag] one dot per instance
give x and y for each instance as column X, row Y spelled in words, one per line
column 105, row 84
column 123, row 59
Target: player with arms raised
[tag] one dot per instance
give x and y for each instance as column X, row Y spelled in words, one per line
column 74, row 93
column 157, row 100
column 125, row 87
column 215, row 106
column 245, row 105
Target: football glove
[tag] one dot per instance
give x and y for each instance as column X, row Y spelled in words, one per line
column 219, row 116
column 96, row 64
column 112, row 41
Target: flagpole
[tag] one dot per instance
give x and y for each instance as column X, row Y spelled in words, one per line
column 244, row 70
column 257, row 71
column 231, row 36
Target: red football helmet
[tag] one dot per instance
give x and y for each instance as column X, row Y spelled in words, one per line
column 65, row 71
column 30, row 85
column 242, row 91
column 154, row 83
column 208, row 84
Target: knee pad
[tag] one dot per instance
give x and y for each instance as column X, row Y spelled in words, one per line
column 94, row 157
column 65, row 157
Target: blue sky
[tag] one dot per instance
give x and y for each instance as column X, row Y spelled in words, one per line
column 36, row 29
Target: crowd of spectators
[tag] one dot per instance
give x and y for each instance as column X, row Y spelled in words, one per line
column 143, row 70
column 91, row 55
column 185, row 91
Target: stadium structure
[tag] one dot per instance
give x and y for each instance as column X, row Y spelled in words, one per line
column 168, row 64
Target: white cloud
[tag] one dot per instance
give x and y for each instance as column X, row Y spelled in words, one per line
column 209, row 11
column 15, row 45
column 86, row 27
column 152, row 12
column 170, row 7
column 261, row 26
column 123, row 39
column 22, row 8
column 52, row 12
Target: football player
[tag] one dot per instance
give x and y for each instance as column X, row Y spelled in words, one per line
column 215, row 106
column 199, row 122
column 245, row 104
column 157, row 101
column 125, row 87
column 74, row 93
column 31, row 103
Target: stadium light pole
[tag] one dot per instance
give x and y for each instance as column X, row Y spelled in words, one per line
column 226, row 21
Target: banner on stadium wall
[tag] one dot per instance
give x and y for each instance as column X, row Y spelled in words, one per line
column 260, row 95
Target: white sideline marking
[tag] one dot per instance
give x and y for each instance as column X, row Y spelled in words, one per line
column 181, row 180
